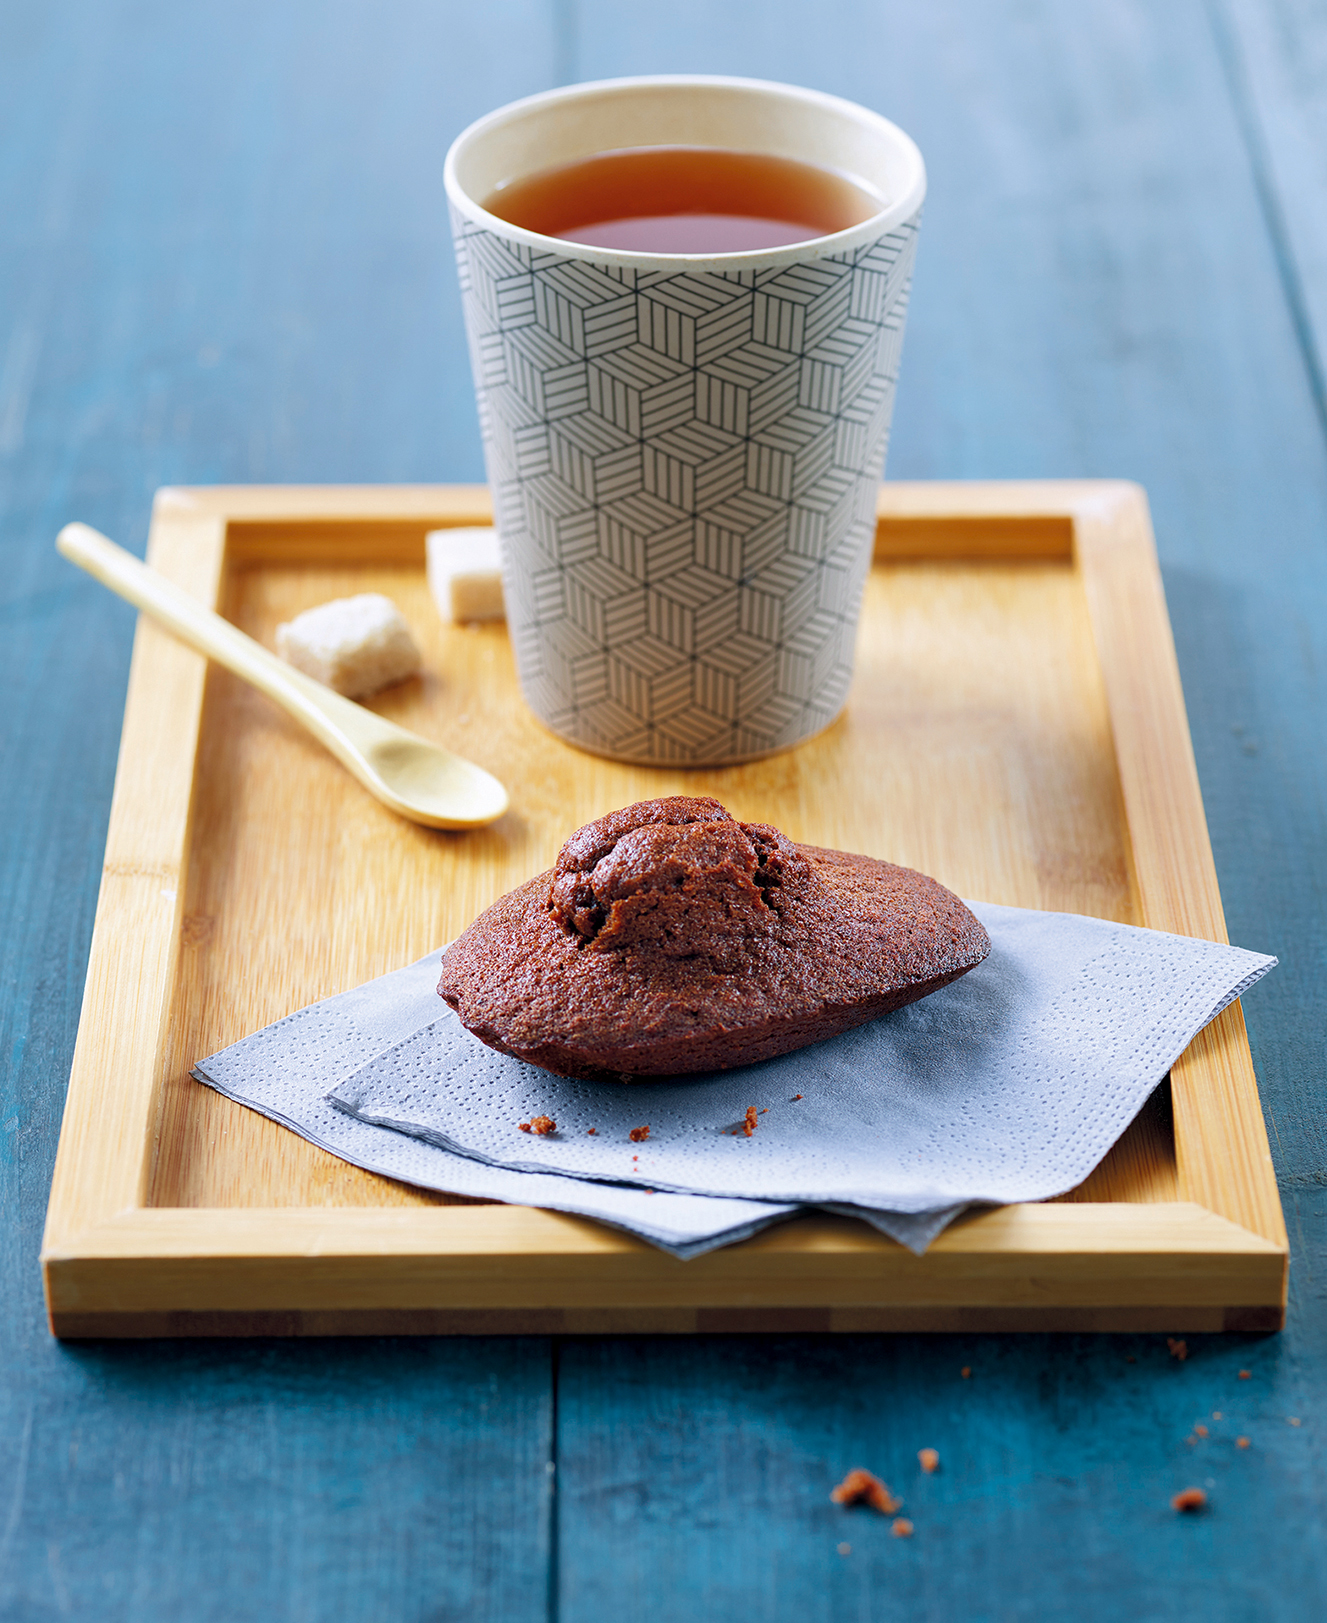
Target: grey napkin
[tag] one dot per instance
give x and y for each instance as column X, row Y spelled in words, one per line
column 1009, row 1085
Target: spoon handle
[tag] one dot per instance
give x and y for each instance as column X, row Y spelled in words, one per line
column 331, row 718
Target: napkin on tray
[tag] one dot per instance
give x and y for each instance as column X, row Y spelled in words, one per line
column 1008, row 1085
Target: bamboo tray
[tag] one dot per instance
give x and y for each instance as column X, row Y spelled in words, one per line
column 1016, row 729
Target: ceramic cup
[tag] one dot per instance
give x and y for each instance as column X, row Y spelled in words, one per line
column 684, row 449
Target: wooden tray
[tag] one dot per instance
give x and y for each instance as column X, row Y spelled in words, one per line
column 1016, row 729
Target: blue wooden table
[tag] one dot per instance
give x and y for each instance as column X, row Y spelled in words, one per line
column 224, row 257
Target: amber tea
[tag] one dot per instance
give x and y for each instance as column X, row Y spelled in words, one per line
column 684, row 200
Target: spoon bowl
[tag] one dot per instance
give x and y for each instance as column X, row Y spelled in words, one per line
column 427, row 783
column 411, row 775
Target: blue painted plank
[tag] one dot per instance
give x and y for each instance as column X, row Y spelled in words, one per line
column 697, row 1483
column 224, row 255
column 235, row 1480
column 1275, row 55
column 1097, row 293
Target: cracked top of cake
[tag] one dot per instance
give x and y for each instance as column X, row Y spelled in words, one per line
column 679, row 877
column 672, row 938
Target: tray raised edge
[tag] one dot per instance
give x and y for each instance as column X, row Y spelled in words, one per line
column 1215, row 1259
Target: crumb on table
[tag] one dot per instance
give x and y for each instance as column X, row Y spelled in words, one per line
column 929, row 1460
column 1178, row 1349
column 1241, row 1442
column 863, row 1487
column 1189, row 1499
column 901, row 1527
column 966, row 1372
column 1246, row 1374
column 1201, row 1430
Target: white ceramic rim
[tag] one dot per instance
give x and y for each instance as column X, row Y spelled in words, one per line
column 896, row 212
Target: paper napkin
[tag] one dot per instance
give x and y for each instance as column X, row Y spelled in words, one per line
column 1011, row 1084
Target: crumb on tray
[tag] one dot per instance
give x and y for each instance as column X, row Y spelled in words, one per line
column 541, row 1126
column 638, row 1135
column 901, row 1527
column 929, row 1460
column 1189, row 1499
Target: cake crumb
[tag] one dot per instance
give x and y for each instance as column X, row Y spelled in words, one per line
column 591, row 1132
column 928, row 1459
column 752, row 1122
column 1241, row 1442
column 1217, row 1415
column 1189, row 1499
column 966, row 1372
column 1178, row 1349
column 542, row 1126
column 524, row 1126
column 1201, row 1430
column 638, row 1135
column 795, row 1098
column 1246, row 1375
column 845, row 1549
column 1293, row 1419
column 862, row 1487
column 901, row 1527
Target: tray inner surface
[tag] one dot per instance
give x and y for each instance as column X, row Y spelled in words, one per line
column 976, row 746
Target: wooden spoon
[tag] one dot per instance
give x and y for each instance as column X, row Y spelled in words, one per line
column 418, row 779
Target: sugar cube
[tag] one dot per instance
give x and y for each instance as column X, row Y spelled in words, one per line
column 465, row 573
column 353, row 644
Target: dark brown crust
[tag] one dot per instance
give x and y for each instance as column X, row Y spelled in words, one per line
column 672, row 939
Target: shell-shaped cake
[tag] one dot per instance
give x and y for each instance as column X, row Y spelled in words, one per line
column 671, row 938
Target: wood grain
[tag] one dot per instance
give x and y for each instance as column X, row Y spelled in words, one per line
column 1015, row 728
column 515, row 1258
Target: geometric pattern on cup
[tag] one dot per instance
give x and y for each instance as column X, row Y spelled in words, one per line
column 684, row 470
